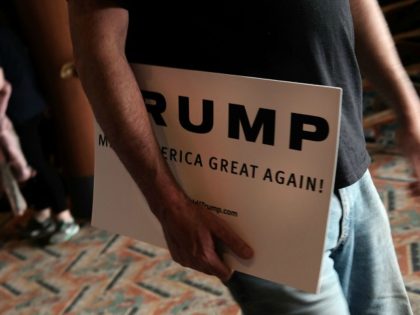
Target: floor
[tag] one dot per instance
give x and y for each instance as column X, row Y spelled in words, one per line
column 101, row 273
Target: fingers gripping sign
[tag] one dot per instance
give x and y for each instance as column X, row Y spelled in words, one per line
column 192, row 232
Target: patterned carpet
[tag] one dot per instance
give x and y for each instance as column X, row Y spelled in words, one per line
column 101, row 273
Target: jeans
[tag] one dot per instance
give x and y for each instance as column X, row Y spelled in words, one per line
column 360, row 273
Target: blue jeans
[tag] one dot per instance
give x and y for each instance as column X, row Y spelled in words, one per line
column 360, row 273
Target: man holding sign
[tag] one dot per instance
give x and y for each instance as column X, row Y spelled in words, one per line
column 299, row 41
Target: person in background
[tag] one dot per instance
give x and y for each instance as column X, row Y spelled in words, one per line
column 44, row 192
column 310, row 41
column 14, row 168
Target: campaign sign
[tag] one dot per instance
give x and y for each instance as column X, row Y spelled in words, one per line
column 259, row 153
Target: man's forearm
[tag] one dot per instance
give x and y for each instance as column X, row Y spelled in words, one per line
column 380, row 62
column 99, row 40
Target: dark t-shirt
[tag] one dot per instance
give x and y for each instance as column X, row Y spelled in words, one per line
column 26, row 101
column 308, row 41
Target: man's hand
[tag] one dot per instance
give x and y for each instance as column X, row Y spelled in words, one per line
column 193, row 234
column 409, row 139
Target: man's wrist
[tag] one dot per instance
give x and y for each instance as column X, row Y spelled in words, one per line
column 164, row 197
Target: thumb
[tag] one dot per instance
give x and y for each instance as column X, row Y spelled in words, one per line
column 227, row 236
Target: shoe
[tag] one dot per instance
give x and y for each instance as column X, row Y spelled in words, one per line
column 63, row 232
column 38, row 230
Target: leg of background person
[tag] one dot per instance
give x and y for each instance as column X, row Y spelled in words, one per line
column 46, row 189
column 260, row 297
column 80, row 189
column 365, row 259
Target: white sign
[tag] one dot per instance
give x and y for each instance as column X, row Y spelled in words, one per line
column 260, row 153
